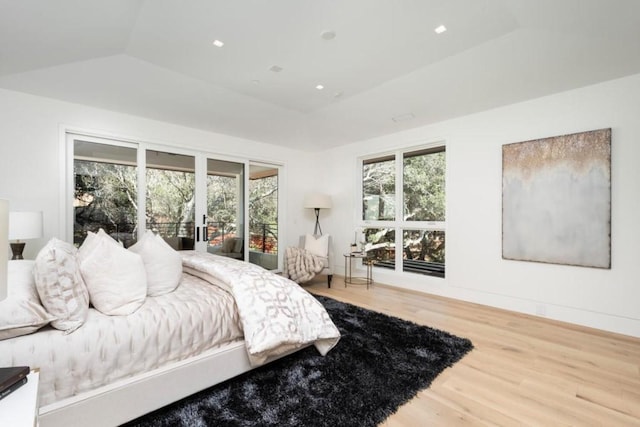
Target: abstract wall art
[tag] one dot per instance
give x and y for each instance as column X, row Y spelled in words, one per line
column 556, row 200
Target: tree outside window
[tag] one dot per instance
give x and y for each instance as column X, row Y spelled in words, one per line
column 420, row 230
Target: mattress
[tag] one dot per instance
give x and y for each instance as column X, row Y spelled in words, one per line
column 195, row 317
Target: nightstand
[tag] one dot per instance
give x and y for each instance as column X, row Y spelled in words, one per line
column 20, row 408
column 366, row 261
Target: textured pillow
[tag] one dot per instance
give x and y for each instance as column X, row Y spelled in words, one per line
column 115, row 277
column 162, row 264
column 60, row 286
column 319, row 246
column 21, row 313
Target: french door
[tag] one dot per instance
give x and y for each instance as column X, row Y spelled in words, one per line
column 194, row 200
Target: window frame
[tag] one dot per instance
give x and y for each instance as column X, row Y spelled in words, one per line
column 398, row 224
column 68, row 134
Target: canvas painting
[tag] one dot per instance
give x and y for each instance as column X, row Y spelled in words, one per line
column 556, row 200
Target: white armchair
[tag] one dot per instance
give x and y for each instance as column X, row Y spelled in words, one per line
column 318, row 249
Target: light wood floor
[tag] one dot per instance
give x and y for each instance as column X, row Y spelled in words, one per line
column 523, row 370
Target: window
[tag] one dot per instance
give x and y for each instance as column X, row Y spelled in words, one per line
column 378, row 189
column 105, row 191
column 191, row 198
column 263, row 215
column 412, row 183
column 170, row 197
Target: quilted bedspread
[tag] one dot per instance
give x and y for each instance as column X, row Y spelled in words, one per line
column 277, row 315
column 194, row 318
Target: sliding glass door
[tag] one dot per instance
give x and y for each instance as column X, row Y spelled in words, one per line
column 225, row 223
column 193, row 200
column 263, row 215
column 170, row 197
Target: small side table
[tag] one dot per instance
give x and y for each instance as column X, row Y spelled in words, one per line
column 20, row 408
column 348, row 277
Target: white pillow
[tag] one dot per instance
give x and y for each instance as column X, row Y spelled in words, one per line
column 60, row 286
column 21, row 317
column 319, row 246
column 21, row 283
column 162, row 263
column 92, row 240
column 21, row 313
column 115, row 277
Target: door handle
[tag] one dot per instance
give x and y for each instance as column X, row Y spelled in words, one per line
column 205, row 233
column 197, row 234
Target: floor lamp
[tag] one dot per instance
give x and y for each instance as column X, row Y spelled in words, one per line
column 317, row 201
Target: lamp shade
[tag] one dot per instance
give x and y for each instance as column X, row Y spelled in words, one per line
column 317, row 201
column 4, row 246
column 25, row 225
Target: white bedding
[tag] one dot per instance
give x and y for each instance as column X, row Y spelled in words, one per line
column 277, row 315
column 170, row 327
column 222, row 301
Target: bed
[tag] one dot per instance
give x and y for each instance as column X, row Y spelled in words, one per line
column 223, row 318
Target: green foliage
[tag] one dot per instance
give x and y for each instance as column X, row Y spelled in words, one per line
column 263, row 213
column 105, row 196
column 378, row 190
column 170, row 202
column 424, row 181
column 222, row 199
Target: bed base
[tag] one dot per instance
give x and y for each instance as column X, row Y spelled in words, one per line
column 127, row 399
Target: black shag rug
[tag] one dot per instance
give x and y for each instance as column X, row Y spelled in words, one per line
column 380, row 363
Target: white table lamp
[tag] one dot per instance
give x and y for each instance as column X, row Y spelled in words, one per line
column 23, row 226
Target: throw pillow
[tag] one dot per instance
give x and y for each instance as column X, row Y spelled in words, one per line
column 319, row 246
column 162, row 264
column 60, row 286
column 115, row 277
column 92, row 240
column 21, row 312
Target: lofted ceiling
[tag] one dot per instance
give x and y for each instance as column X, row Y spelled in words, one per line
column 385, row 69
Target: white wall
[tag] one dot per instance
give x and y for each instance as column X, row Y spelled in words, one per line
column 475, row 270
column 31, row 159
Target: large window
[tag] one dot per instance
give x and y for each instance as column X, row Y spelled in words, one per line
column 190, row 198
column 411, row 182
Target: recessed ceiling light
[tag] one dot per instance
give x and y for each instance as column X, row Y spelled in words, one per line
column 337, row 94
column 403, row 117
column 218, row 43
column 328, row 35
column 441, row 29
column 319, row 87
column 276, row 68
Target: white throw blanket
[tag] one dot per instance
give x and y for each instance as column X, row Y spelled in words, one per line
column 277, row 315
column 301, row 265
